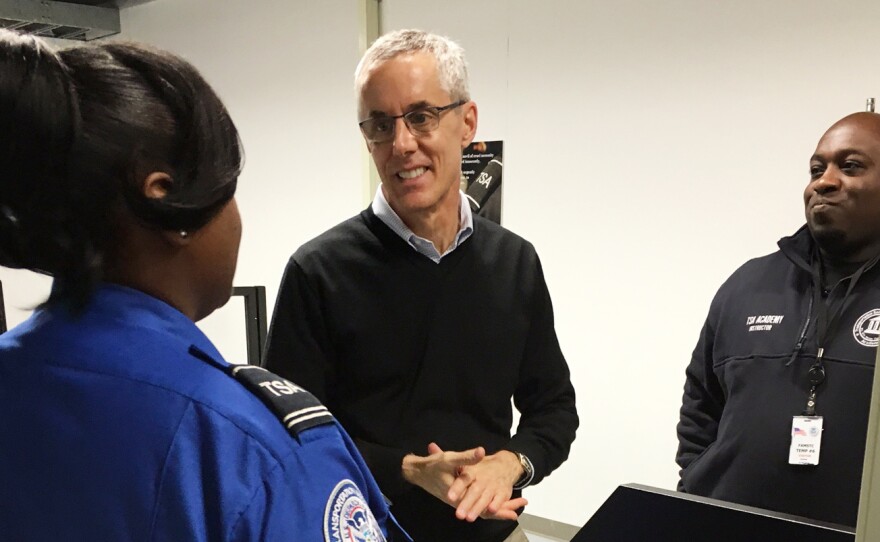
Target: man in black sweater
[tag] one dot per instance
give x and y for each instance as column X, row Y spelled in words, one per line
column 776, row 400
column 416, row 322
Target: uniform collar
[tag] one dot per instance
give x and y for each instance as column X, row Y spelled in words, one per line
column 131, row 308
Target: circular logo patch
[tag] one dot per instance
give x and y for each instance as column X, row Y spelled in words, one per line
column 867, row 329
column 347, row 518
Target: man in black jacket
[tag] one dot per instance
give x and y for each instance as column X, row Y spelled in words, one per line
column 416, row 322
column 777, row 394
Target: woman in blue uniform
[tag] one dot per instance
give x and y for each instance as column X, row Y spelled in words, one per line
column 120, row 420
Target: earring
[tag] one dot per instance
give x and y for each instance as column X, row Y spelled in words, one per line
column 184, row 234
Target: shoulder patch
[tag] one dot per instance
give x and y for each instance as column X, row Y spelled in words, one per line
column 347, row 518
column 297, row 409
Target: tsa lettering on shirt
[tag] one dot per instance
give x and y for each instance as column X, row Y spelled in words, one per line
column 763, row 322
column 280, row 387
column 297, row 409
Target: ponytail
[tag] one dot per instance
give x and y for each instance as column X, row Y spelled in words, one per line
column 39, row 121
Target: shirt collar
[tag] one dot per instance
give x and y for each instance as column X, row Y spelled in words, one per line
column 386, row 214
column 133, row 308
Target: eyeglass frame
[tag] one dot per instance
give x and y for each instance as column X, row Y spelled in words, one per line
column 438, row 109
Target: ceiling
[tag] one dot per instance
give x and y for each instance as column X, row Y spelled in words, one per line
column 112, row 3
column 64, row 19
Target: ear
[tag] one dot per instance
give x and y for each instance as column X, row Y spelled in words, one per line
column 469, row 112
column 157, row 185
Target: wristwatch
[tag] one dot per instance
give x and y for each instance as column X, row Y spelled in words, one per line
column 528, row 472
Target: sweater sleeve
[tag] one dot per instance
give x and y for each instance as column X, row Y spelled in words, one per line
column 702, row 403
column 385, row 463
column 544, row 394
column 298, row 347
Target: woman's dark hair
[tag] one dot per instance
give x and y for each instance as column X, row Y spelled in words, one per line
column 80, row 129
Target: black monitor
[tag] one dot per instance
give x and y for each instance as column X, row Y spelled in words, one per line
column 2, row 311
column 254, row 320
column 637, row 513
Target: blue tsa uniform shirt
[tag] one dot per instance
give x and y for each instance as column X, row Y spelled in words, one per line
column 125, row 423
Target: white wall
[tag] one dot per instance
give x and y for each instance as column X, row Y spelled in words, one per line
column 650, row 149
column 22, row 292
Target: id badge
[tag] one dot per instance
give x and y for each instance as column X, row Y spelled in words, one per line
column 806, row 440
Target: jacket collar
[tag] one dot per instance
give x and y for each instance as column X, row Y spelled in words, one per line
column 798, row 248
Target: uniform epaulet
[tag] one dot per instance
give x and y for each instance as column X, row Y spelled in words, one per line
column 297, row 409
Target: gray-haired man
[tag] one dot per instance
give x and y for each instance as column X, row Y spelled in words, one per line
column 416, row 322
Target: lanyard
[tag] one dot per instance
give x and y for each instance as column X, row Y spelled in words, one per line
column 826, row 323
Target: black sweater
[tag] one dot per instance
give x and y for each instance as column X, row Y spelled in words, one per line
column 744, row 385
column 405, row 351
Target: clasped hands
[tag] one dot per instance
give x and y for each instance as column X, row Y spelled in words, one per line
column 475, row 484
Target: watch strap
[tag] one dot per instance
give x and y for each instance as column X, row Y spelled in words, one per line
column 528, row 472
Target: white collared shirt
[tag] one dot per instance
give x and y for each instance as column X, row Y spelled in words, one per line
column 386, row 214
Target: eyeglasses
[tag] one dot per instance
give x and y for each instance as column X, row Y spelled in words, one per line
column 419, row 122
